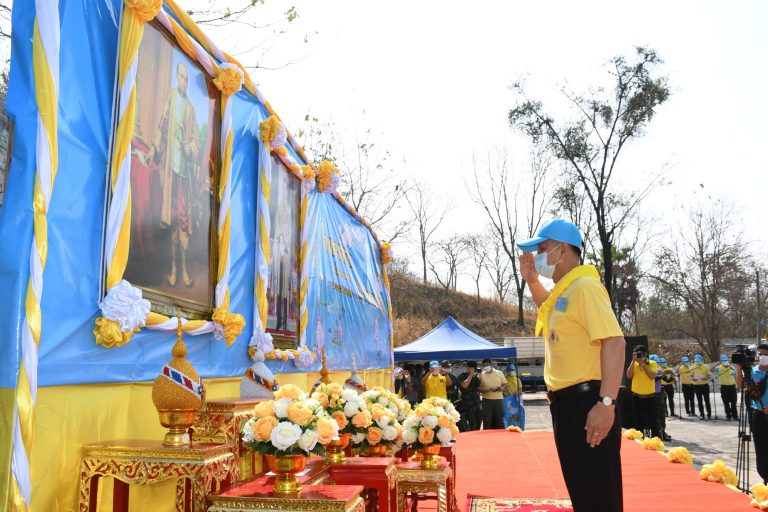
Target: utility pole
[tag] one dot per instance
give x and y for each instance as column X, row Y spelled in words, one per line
column 759, row 309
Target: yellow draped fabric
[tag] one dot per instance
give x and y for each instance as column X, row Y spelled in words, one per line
column 542, row 320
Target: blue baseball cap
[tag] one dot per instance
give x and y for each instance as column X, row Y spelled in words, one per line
column 685, row 359
column 663, row 360
column 434, row 364
column 698, row 358
column 556, row 229
column 724, row 358
column 654, row 358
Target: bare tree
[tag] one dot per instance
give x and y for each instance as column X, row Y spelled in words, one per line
column 369, row 179
column 591, row 144
column 703, row 275
column 450, row 255
column 428, row 215
column 477, row 247
column 498, row 269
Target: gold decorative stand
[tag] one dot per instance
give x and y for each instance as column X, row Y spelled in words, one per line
column 322, row 498
column 412, row 478
column 198, row 468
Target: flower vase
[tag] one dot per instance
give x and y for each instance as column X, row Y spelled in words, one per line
column 285, row 468
column 335, row 449
column 430, row 456
column 379, row 450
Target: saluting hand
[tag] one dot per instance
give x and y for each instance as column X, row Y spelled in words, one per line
column 527, row 268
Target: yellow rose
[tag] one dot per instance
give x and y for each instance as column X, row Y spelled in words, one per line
column 288, row 391
column 341, row 419
column 426, row 435
column 444, row 421
column 399, row 433
column 264, row 408
column 374, row 435
column 321, row 398
column 263, row 427
column 334, row 388
column 377, row 411
column 455, row 430
column 334, row 400
column 362, row 419
column 299, row 413
column 144, row 10
column 326, row 430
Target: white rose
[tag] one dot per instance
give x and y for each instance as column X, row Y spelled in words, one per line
column 284, row 435
column 358, row 438
column 440, row 411
column 410, row 436
column 383, row 421
column 312, row 404
column 429, row 421
column 390, row 433
column 350, row 409
column 455, row 414
column 281, row 407
column 392, row 407
column 444, row 435
column 410, row 422
column 350, row 395
column 308, row 440
column 383, row 401
column 248, row 431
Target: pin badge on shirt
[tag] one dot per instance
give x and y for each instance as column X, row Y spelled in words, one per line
column 561, row 304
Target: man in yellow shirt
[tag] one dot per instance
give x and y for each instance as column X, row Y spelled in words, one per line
column 492, row 384
column 436, row 382
column 701, row 374
column 726, row 373
column 684, row 371
column 584, row 354
column 642, row 372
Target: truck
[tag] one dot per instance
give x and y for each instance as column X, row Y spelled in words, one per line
column 529, row 361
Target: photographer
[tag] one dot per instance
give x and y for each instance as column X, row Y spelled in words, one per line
column 642, row 373
column 471, row 412
column 759, row 410
column 436, row 382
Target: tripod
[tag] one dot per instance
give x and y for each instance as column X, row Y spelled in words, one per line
column 745, row 433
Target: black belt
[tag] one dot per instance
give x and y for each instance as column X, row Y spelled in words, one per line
column 573, row 391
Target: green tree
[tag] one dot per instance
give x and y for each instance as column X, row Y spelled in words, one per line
column 591, row 142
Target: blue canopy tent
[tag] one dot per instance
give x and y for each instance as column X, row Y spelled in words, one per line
column 450, row 341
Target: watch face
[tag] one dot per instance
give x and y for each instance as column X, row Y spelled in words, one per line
column 607, row 401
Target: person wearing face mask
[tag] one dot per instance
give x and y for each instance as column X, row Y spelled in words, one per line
column 514, row 385
column 492, row 385
column 668, row 385
column 436, row 382
column 471, row 408
column 759, row 395
column 642, row 372
column 701, row 374
column 686, row 382
column 726, row 374
column 584, row 358
column 661, row 409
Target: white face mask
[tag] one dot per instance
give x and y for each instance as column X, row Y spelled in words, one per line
column 487, row 368
column 542, row 266
column 763, row 360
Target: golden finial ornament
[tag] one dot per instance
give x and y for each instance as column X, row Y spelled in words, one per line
column 324, row 369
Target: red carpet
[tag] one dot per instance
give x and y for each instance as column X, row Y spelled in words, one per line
column 503, row 464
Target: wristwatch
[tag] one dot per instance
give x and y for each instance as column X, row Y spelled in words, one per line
column 607, row 401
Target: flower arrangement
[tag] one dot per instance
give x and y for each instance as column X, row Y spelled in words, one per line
column 385, row 429
column 631, row 433
column 653, row 443
column 391, row 401
column 760, row 499
column 680, row 455
column 718, row 472
column 345, row 406
column 433, row 421
column 291, row 424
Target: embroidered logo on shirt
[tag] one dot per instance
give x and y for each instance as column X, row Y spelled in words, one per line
column 552, row 336
column 561, row 304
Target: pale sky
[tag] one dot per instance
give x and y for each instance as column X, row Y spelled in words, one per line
column 433, row 80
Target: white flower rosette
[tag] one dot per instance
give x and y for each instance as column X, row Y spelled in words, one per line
column 125, row 305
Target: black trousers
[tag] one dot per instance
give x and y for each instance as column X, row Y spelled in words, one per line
column 688, row 394
column 728, row 394
column 645, row 410
column 592, row 475
column 661, row 410
column 702, row 393
column 493, row 414
column 669, row 392
column 760, row 437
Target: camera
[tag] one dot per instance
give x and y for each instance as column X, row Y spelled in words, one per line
column 745, row 356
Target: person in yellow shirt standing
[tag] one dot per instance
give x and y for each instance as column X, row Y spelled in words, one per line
column 436, row 382
column 701, row 374
column 686, row 382
column 642, row 372
column 492, row 384
column 726, row 373
column 584, row 358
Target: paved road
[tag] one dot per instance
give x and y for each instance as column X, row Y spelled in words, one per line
column 706, row 440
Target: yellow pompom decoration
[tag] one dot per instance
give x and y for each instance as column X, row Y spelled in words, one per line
column 109, row 335
column 653, row 443
column 760, row 499
column 229, row 80
column 718, row 472
column 232, row 323
column 269, row 129
column 632, row 434
column 680, row 455
column 325, row 172
column 308, row 172
column 386, row 253
column 144, row 10
column 513, row 428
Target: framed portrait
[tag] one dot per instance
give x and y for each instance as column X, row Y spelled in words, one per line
column 174, row 169
column 283, row 286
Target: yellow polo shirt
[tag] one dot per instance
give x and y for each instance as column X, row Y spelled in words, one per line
column 727, row 375
column 580, row 320
column 685, row 374
column 492, row 379
column 642, row 384
column 435, row 386
column 700, row 374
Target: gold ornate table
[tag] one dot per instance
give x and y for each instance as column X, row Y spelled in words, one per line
column 412, row 478
column 198, row 469
column 219, row 422
column 323, row 498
